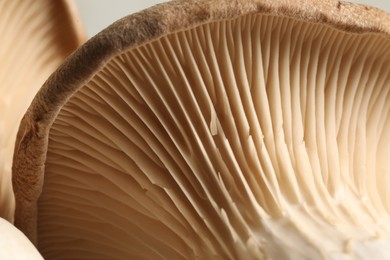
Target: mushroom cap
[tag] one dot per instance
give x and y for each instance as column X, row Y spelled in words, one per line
column 214, row 128
column 14, row 244
column 36, row 36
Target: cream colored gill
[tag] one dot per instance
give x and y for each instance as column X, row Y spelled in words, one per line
column 260, row 136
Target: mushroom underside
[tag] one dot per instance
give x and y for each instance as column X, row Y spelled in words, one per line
column 256, row 136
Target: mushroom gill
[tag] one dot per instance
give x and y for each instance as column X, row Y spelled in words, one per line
column 248, row 131
column 36, row 36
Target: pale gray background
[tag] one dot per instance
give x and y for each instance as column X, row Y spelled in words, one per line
column 98, row 14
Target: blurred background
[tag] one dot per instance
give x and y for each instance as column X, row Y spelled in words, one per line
column 98, row 14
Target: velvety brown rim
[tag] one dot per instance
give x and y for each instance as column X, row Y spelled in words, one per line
column 136, row 29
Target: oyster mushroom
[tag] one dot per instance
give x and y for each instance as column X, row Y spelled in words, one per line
column 215, row 129
column 36, row 36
